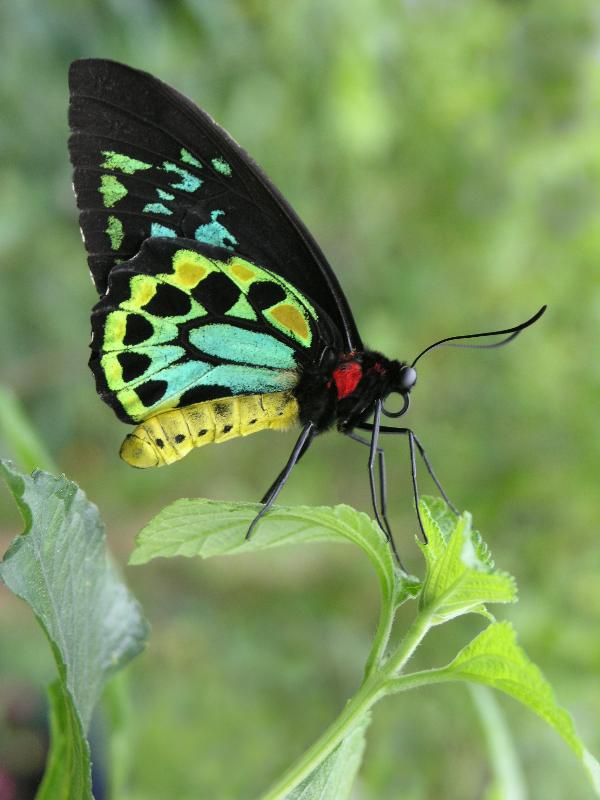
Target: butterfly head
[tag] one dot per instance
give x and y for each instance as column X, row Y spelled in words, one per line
column 361, row 379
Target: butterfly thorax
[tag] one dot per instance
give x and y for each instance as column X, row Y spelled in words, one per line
column 344, row 388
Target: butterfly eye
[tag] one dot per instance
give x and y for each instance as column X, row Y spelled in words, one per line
column 406, row 379
column 403, row 410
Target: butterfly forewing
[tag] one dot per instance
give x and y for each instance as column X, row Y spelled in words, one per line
column 149, row 163
column 183, row 322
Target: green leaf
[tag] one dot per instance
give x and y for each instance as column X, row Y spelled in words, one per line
column 460, row 576
column 334, row 777
column 495, row 659
column 59, row 566
column 207, row 528
column 67, row 771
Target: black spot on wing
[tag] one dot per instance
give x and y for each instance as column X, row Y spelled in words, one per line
column 168, row 302
column 137, row 330
column 217, row 293
column 151, row 392
column 133, row 364
column 264, row 294
column 199, row 394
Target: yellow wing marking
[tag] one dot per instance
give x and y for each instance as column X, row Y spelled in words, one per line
column 291, row 319
column 188, row 268
column 243, row 271
column 169, row 436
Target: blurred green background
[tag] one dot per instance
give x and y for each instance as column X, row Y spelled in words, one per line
column 447, row 158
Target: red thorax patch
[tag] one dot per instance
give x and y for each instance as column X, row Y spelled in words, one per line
column 346, row 378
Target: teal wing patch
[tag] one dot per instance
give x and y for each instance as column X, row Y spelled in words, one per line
column 183, row 322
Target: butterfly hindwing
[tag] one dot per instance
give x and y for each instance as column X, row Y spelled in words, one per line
column 148, row 162
column 182, row 322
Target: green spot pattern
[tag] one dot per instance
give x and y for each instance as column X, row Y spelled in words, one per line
column 222, row 166
column 215, row 233
column 188, row 183
column 112, row 190
column 188, row 158
column 126, row 164
column 157, row 208
column 166, row 346
column 114, row 229
column 242, row 309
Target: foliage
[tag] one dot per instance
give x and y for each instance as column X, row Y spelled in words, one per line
column 446, row 157
column 460, row 579
column 59, row 566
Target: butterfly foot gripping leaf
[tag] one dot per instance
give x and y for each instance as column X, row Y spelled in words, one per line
column 219, row 314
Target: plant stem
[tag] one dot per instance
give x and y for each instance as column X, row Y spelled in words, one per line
column 412, row 639
column 382, row 635
column 368, row 694
column 375, row 686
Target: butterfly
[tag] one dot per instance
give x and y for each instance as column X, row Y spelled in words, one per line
column 219, row 315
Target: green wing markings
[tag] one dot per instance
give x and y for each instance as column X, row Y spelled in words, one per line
column 242, row 309
column 156, row 229
column 239, row 344
column 122, row 162
column 187, row 182
column 157, row 208
column 112, row 190
column 148, row 336
column 215, row 233
column 222, row 166
column 188, row 158
column 116, row 234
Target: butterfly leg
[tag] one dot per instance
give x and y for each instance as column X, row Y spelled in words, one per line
column 301, row 446
column 433, row 476
column 382, row 479
column 413, row 442
column 373, row 451
column 405, row 431
column 275, row 483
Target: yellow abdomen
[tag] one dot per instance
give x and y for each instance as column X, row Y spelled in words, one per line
column 171, row 435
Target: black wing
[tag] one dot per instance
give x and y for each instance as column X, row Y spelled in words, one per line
column 148, row 162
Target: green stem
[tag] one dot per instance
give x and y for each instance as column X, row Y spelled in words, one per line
column 367, row 695
column 375, row 686
column 382, row 634
column 413, row 638
column 415, row 679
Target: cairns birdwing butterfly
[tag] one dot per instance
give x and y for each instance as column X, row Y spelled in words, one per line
column 219, row 315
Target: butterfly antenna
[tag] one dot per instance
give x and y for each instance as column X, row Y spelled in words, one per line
column 512, row 333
